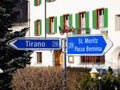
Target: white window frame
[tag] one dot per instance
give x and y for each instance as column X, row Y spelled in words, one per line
column 100, row 14
column 83, row 22
column 52, row 25
column 67, row 20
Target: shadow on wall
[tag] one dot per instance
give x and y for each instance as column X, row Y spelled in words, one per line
column 115, row 59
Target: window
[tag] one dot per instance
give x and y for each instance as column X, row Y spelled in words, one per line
column 66, row 21
column 51, row 24
column 51, row 29
column 100, row 18
column 93, row 59
column 39, row 57
column 71, row 59
column 20, row 11
column 37, row 27
column 117, row 22
column 82, row 22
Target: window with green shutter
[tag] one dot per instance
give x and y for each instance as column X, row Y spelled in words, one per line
column 100, row 18
column 37, row 2
column 37, row 27
column 82, row 23
column 66, row 20
column 66, row 23
column 51, row 25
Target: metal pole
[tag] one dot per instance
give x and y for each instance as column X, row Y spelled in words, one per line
column 100, row 83
column 64, row 62
column 45, row 18
column 28, row 3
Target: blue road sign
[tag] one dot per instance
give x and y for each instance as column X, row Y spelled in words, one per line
column 35, row 43
column 87, row 45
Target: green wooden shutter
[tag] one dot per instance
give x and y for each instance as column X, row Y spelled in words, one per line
column 40, row 27
column 76, row 23
column 47, row 25
column 70, row 21
column 94, row 19
column 106, row 17
column 87, row 22
column 76, row 20
column 61, row 22
column 34, row 2
column 47, row 0
column 40, row 1
column 35, row 28
column 55, row 24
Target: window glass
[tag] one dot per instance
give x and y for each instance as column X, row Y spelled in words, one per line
column 39, row 57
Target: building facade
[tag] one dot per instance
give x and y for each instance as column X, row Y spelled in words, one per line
column 63, row 18
column 22, row 15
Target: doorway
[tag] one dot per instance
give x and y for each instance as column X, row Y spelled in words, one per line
column 57, row 57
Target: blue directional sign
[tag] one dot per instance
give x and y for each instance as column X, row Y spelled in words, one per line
column 87, row 45
column 35, row 43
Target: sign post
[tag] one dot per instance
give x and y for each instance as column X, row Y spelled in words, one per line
column 64, row 62
column 88, row 45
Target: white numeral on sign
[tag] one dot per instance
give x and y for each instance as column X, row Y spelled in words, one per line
column 55, row 44
column 71, row 45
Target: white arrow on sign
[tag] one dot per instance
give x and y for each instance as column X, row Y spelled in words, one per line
column 109, row 45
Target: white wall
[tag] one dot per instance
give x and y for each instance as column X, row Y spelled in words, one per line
column 60, row 7
column 47, row 59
